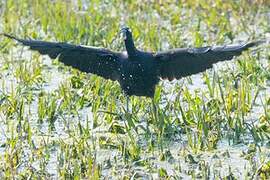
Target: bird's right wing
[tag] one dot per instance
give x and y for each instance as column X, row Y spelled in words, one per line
column 177, row 63
column 88, row 59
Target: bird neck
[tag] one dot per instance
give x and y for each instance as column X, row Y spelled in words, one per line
column 130, row 47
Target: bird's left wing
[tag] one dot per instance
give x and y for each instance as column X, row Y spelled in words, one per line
column 177, row 63
column 99, row 61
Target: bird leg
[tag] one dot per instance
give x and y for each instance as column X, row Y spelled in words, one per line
column 127, row 99
column 127, row 103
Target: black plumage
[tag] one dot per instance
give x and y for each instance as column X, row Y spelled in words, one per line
column 138, row 72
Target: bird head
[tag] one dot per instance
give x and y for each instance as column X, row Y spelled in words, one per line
column 126, row 33
column 129, row 43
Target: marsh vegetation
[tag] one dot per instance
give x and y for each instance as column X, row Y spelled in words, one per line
column 57, row 122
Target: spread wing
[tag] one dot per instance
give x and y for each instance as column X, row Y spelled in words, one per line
column 88, row 59
column 177, row 63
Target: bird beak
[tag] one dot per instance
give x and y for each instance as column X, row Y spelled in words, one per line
column 123, row 34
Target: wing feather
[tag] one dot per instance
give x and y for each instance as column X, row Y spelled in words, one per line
column 88, row 59
column 178, row 63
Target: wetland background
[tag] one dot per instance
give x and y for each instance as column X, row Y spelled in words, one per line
column 56, row 122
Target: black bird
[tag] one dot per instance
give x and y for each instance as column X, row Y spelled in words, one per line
column 138, row 72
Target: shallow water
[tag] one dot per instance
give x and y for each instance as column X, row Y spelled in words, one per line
column 227, row 158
